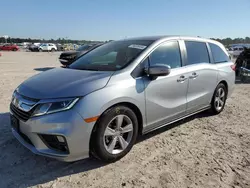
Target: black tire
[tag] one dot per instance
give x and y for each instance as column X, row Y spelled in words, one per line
column 14, row 49
column 53, row 49
column 214, row 109
column 97, row 138
column 40, row 50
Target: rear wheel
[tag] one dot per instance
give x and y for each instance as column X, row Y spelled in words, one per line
column 115, row 134
column 219, row 99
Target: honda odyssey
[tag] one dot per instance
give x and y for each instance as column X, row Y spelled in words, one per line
column 106, row 98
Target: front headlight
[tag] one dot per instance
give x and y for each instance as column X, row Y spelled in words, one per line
column 52, row 107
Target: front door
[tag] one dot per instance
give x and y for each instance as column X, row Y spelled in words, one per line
column 166, row 96
column 45, row 47
column 202, row 76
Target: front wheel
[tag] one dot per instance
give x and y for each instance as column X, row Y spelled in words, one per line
column 115, row 134
column 219, row 99
column 53, row 49
column 40, row 50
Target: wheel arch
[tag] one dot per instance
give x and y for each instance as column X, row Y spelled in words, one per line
column 130, row 105
column 225, row 83
column 220, row 82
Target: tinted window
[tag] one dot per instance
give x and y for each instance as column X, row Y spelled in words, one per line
column 111, row 56
column 218, row 54
column 196, row 52
column 168, row 54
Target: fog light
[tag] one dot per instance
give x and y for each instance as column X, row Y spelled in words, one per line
column 55, row 142
column 60, row 139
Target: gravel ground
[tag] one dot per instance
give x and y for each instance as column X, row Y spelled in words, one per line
column 201, row 151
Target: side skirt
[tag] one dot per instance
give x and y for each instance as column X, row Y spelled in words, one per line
column 158, row 127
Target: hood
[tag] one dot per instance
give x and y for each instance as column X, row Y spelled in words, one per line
column 63, row 82
column 67, row 54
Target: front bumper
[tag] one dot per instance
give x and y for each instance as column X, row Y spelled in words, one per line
column 68, row 124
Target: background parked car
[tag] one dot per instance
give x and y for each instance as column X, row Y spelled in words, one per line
column 235, row 51
column 9, row 47
column 70, row 46
column 244, row 57
column 34, row 48
column 59, row 47
column 47, row 47
column 26, row 45
column 66, row 58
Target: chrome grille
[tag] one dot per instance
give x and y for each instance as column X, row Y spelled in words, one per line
column 22, row 115
column 22, row 107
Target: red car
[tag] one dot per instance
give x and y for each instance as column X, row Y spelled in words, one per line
column 9, row 47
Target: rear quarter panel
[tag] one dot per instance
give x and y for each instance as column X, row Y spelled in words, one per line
column 225, row 73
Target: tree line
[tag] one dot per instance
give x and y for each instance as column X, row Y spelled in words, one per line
column 228, row 41
column 59, row 40
column 225, row 41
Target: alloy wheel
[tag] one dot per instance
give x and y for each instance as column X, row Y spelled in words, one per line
column 219, row 99
column 118, row 134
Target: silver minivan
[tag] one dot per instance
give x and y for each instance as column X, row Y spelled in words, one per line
column 106, row 98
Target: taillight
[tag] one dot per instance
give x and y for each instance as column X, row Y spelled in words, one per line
column 233, row 67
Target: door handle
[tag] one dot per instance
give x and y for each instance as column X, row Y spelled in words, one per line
column 194, row 75
column 181, row 79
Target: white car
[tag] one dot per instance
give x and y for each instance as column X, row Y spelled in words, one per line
column 48, row 47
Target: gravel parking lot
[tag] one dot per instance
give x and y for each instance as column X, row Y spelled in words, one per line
column 201, row 151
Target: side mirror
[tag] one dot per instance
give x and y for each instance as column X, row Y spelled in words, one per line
column 158, row 70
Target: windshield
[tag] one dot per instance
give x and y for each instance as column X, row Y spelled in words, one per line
column 111, row 56
column 83, row 47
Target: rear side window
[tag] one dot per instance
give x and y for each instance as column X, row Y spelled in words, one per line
column 218, row 54
column 168, row 54
column 196, row 52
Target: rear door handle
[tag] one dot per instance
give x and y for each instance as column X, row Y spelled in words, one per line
column 194, row 75
column 181, row 79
